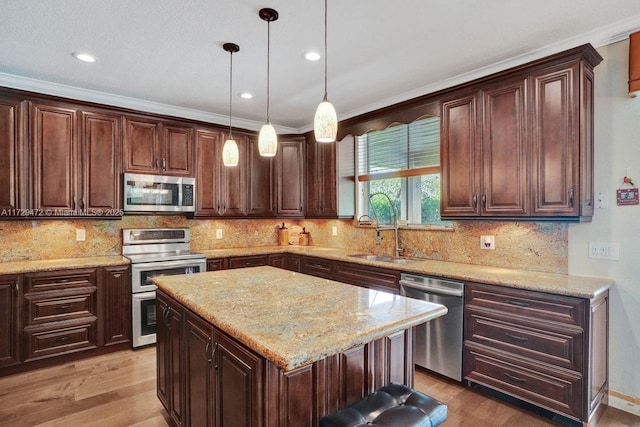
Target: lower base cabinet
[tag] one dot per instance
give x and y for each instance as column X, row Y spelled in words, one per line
column 10, row 321
column 224, row 383
column 546, row 349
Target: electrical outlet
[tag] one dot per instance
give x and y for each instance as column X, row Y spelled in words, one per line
column 604, row 250
column 334, row 230
column 81, row 235
column 487, row 242
column 218, row 233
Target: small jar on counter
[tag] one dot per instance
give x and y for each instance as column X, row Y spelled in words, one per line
column 283, row 235
column 303, row 239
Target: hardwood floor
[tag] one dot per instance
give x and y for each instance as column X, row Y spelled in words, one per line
column 119, row 389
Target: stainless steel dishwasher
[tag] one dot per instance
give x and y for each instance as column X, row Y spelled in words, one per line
column 438, row 344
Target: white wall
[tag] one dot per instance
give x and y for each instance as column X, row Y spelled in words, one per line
column 617, row 148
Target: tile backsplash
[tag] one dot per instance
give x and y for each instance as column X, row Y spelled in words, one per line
column 523, row 245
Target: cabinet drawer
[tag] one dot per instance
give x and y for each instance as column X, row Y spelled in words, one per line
column 214, row 264
column 66, row 338
column 559, row 347
column 43, row 307
column 528, row 304
column 247, row 261
column 557, row 390
column 57, row 280
column 368, row 277
column 317, row 267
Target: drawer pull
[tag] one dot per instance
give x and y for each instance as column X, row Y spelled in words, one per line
column 518, row 303
column 64, row 338
column 516, row 337
column 513, row 377
column 63, row 307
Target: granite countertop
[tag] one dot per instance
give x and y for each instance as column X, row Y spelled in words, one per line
column 562, row 284
column 293, row 319
column 27, row 266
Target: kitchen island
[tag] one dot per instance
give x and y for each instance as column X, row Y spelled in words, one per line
column 269, row 347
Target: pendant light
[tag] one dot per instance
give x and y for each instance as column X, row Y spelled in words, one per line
column 325, row 122
column 230, row 154
column 267, row 139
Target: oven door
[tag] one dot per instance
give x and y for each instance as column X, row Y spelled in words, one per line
column 143, row 310
column 142, row 273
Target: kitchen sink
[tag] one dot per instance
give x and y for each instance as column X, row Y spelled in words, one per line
column 383, row 258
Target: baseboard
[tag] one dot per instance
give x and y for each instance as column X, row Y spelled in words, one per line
column 624, row 403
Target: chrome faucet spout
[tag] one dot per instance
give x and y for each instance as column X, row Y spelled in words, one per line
column 398, row 249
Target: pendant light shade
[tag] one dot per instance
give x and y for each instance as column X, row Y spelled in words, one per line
column 267, row 139
column 230, row 154
column 325, row 122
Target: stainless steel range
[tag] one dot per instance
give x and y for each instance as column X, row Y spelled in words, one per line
column 154, row 252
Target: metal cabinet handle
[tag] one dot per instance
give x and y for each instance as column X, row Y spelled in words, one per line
column 63, row 307
column 213, row 354
column 206, row 351
column 513, row 377
column 17, row 287
column 475, row 200
column 64, row 338
column 571, row 197
column 518, row 303
column 516, row 337
column 484, row 200
column 73, row 204
column 164, row 164
column 81, row 203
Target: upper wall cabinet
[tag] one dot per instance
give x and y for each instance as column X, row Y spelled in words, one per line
column 520, row 144
column 321, row 179
column 12, row 151
column 155, row 147
column 260, row 177
column 290, row 177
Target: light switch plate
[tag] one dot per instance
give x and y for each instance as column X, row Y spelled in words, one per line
column 81, row 235
column 601, row 200
column 604, row 250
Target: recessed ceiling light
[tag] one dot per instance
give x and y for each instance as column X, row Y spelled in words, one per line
column 312, row 56
column 85, row 57
column 246, row 95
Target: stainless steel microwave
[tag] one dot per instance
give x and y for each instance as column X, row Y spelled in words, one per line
column 159, row 193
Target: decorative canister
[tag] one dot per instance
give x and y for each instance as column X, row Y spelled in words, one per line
column 283, row 235
column 303, row 239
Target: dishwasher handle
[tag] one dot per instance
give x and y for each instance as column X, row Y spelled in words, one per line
column 432, row 289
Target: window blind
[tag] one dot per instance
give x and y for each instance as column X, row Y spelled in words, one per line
column 400, row 150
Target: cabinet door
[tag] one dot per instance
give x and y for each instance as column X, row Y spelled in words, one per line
column 141, row 146
column 10, row 320
column 554, row 111
column 233, row 190
column 208, row 173
column 54, row 158
column 290, row 177
column 460, row 158
column 116, row 285
column 504, row 150
column 169, row 349
column 101, row 144
column 260, row 177
column 321, row 191
column 238, row 384
column 11, row 152
column 177, row 150
column 199, row 372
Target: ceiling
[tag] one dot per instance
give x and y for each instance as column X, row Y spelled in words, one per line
column 166, row 56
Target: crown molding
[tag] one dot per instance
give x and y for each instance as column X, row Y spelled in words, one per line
column 88, row 95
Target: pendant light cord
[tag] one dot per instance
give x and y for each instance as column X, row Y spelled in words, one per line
column 230, row 96
column 268, row 64
column 325, row 50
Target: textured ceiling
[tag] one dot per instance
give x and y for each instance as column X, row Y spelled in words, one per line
column 166, row 56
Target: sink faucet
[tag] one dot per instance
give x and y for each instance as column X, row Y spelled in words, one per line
column 398, row 249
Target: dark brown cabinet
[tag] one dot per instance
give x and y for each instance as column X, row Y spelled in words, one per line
column 115, row 306
column 220, row 189
column 319, row 267
column 60, row 311
column 321, row 190
column 169, row 353
column 375, row 278
column 260, row 181
column 520, row 144
column 546, row 349
column 10, row 321
column 247, row 261
column 214, row 264
column 200, row 376
column 12, row 194
column 75, row 167
column 101, row 153
column 154, row 147
column 289, row 184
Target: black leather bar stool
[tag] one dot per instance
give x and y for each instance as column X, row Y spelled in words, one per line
column 393, row 405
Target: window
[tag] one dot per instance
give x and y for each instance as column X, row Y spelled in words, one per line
column 399, row 167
